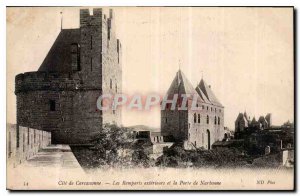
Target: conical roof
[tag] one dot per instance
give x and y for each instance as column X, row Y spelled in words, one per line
column 253, row 121
column 181, row 85
column 202, row 95
column 208, row 93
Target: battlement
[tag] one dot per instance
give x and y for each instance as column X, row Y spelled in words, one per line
column 88, row 19
column 81, row 65
column 33, row 81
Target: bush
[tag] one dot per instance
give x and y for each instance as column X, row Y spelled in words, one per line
column 106, row 145
column 178, row 157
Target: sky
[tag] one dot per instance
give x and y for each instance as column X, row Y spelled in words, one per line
column 245, row 54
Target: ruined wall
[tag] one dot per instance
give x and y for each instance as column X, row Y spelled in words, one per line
column 23, row 143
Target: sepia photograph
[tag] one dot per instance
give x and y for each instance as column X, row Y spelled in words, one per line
column 150, row 98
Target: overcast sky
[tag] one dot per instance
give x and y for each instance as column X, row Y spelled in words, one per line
column 245, row 54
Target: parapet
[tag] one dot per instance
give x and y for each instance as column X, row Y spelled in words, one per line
column 51, row 81
column 93, row 19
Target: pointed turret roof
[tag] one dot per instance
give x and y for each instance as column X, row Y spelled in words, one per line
column 202, row 95
column 181, row 85
column 208, row 93
column 242, row 117
column 253, row 121
column 245, row 114
column 262, row 120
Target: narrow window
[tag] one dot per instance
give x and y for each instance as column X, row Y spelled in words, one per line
column 91, row 64
column 28, row 136
column 166, row 120
column 91, row 42
column 207, row 119
column 207, row 108
column 195, row 117
column 116, row 88
column 110, row 84
column 218, row 120
column 215, row 120
column 52, row 105
column 75, row 57
column 198, row 118
column 18, row 137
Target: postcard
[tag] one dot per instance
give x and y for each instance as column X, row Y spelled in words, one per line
column 150, row 98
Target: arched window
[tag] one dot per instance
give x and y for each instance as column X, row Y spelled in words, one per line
column 207, row 119
column 218, row 120
column 195, row 117
column 198, row 118
column 215, row 120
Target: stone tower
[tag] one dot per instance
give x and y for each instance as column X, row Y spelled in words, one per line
column 81, row 65
column 196, row 128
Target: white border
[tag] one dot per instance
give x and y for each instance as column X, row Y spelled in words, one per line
column 5, row 3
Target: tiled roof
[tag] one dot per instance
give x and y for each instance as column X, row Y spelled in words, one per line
column 181, row 85
column 202, row 95
column 58, row 58
column 208, row 93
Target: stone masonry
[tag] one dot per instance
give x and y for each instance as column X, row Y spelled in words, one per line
column 193, row 128
column 81, row 65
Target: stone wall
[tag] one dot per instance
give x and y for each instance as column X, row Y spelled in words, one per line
column 194, row 134
column 37, row 92
column 66, row 103
column 111, row 66
column 205, row 133
column 23, row 143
